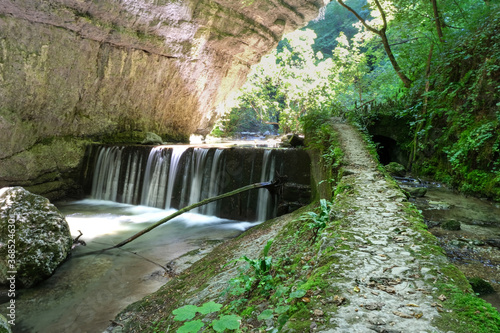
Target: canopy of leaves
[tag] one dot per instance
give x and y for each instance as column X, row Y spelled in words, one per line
column 337, row 66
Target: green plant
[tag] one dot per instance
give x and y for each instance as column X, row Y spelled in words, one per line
column 188, row 312
column 260, row 279
column 318, row 221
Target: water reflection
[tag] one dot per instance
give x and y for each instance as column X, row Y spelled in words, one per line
column 86, row 292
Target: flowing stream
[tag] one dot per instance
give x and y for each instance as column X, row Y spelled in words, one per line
column 86, row 292
column 474, row 249
column 132, row 187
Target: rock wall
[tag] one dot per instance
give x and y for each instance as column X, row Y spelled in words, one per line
column 80, row 69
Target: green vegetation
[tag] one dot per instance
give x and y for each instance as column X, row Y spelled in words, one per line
column 291, row 284
column 434, row 64
column 188, row 312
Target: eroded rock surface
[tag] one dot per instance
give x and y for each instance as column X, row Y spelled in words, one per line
column 41, row 235
column 86, row 69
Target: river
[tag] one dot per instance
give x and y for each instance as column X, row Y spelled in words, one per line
column 87, row 291
column 472, row 248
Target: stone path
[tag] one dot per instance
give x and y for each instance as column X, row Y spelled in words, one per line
column 383, row 279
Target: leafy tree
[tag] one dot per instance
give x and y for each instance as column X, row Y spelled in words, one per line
column 381, row 32
column 334, row 21
column 286, row 83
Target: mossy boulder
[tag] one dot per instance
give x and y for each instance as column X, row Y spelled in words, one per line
column 417, row 192
column 395, row 169
column 151, row 138
column 452, row 225
column 34, row 237
column 480, row 286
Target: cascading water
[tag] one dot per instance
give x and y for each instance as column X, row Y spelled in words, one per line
column 264, row 198
column 105, row 182
column 172, row 173
column 198, row 163
column 131, row 187
column 165, row 177
column 215, row 183
column 155, row 178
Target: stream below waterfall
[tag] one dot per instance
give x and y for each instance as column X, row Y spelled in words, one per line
column 86, row 292
column 134, row 186
column 475, row 248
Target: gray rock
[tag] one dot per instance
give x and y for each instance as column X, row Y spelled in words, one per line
column 493, row 242
column 41, row 234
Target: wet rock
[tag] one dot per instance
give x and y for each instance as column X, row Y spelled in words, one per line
column 493, row 242
column 481, row 286
column 432, row 224
column 458, row 243
column 41, row 233
column 417, row 192
column 483, row 223
column 452, row 225
column 395, row 169
column 440, row 205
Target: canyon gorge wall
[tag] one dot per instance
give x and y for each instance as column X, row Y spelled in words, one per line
column 73, row 72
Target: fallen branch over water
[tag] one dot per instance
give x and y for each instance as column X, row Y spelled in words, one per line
column 273, row 187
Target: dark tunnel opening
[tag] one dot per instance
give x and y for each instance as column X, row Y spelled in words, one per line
column 387, row 149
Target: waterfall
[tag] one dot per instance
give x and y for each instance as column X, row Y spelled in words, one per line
column 267, row 174
column 166, row 177
column 155, row 178
column 105, row 182
column 176, row 155
column 215, row 183
column 132, row 178
column 197, row 178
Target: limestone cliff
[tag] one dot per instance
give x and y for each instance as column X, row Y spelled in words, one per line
column 85, row 69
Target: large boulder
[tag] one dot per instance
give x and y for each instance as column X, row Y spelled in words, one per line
column 34, row 237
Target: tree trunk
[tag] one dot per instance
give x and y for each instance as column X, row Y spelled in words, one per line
column 437, row 21
column 394, row 63
column 406, row 81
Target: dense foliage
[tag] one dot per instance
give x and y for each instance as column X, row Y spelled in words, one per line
column 434, row 63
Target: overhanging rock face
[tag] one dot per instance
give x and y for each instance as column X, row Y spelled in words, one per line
column 87, row 68
column 73, row 70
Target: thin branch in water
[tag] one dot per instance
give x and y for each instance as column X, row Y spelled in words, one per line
column 272, row 186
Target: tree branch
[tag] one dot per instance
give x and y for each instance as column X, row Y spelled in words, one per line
column 384, row 28
column 362, row 20
column 405, row 41
column 272, row 186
